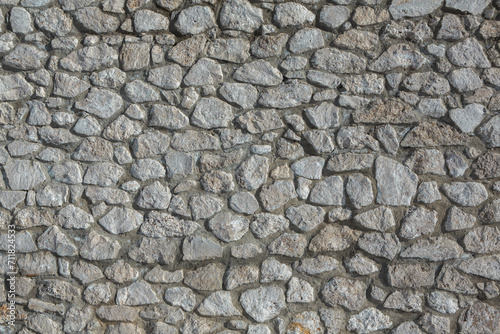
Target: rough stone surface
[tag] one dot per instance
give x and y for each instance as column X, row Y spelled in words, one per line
column 255, row 167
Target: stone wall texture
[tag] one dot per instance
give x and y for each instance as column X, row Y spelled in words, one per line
column 262, row 166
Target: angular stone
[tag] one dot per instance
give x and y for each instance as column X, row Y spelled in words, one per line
column 398, row 56
column 396, row 184
column 94, row 20
column 418, row 221
column 260, row 120
column 489, row 132
column 121, row 272
column 410, row 275
column 473, row 7
column 384, row 245
column 433, row 134
column 433, row 249
column 428, row 192
column 393, row 111
column 57, row 242
column 243, row 95
column 218, row 304
column 277, row 194
column 208, row 277
column 468, row 53
column 292, row 14
column 185, row 52
column 86, row 272
column 137, row 293
column 150, row 144
column 443, row 302
column 349, row 161
column 426, row 161
column 333, row 17
column 400, row 8
column 159, row 224
column 139, row 91
column 149, row 21
column 288, row 244
column 337, row 61
column 306, row 322
column 117, row 313
column 451, row 280
column 195, row 141
column 25, row 57
column 479, row 318
column 194, row 20
column 329, row 191
column 487, row 166
column 235, row 50
column 14, row 87
column 24, row 174
column 121, row 220
column 91, row 58
column 166, row 77
column 324, row 116
column 238, row 275
column 100, row 102
column 258, row 72
column 103, row 174
column 266, row 46
column 211, row 113
column 205, row 72
column 147, row 169
column 98, row 247
column 378, row 219
column 405, row 301
column 264, row 303
column 134, row 56
column 39, row 263
column 228, row 227
column 265, row 224
column 355, row 39
column 149, row 250
column 240, row 15
column 244, row 202
column 465, row 80
column 55, row 21
column 305, row 217
column 486, row 266
column 198, row 248
column 305, row 40
column 350, row 294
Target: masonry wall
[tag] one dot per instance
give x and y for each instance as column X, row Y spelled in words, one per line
column 257, row 167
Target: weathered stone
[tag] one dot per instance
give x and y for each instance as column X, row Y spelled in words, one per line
column 396, row 184
column 227, row 227
column 121, row 272
column 468, row 53
column 288, row 244
column 92, row 58
column 479, row 317
column 25, row 57
column 54, row 20
column 451, row 280
column 240, row 15
column 195, row 141
column 405, row 301
column 292, row 14
column 263, row 303
column 398, row 56
column 194, row 20
column 473, row 7
column 487, row 166
column 391, row 111
column 385, row 245
column 409, row 275
column 218, row 304
column 98, row 247
column 316, row 265
column 149, row 250
column 208, row 277
column 258, row 72
column 204, row 72
column 305, row 40
column 333, row 17
column 400, row 9
column 137, row 293
column 235, row 50
column 266, row 46
column 379, row 219
column 57, row 242
column 433, row 249
column 121, row 220
column 14, row 87
column 186, row 51
column 198, row 248
column 489, row 132
column 265, row 224
column 334, row 238
column 465, row 80
column 94, row 20
column 426, row 161
column 466, row 193
column 344, row 292
column 24, row 174
column 361, row 265
column 150, row 144
column 337, row 61
column 139, row 91
column 260, row 120
column 148, row 21
column 134, row 56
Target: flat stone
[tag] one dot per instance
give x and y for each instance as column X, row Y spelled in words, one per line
column 25, row 57
column 243, row 95
column 24, row 174
column 329, row 191
column 260, row 120
column 195, row 141
column 479, row 317
column 489, row 132
column 369, row 320
column 451, row 279
column 121, row 220
column 396, row 184
column 418, row 221
column 384, row 245
column 134, row 56
column 473, row 7
column 137, row 293
column 393, row 111
column 443, row 302
column 433, row 134
column 149, row 21
column 410, row 275
column 405, row 301
column 100, row 102
column 266, row 46
column 235, row 50
column 54, row 240
column 180, row 296
column 98, row 247
column 426, row 161
column 316, row 265
column 94, row 20
column 433, row 249
column 218, row 304
column 228, row 227
column 139, row 91
column 378, row 219
column 400, row 8
column 205, row 72
column 198, row 248
column 485, row 266
column 238, row 275
column 305, row 217
column 307, row 321
column 487, row 166
column 212, row 113
column 266, row 224
column 264, row 303
column 466, row 193
column 54, row 20
column 333, row 17
column 14, row 87
column 185, row 52
column 337, row 61
column 158, row 251
column 305, row 40
column 258, row 72
column 465, row 80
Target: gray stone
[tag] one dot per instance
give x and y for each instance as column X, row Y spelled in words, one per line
column 57, row 242
column 465, row 80
column 158, row 225
column 235, row 50
column 418, row 221
column 384, row 245
column 166, row 77
column 240, row 15
column 98, row 247
column 487, row 166
column 25, row 57
column 218, row 304
column 24, row 174
column 139, row 91
column 94, row 149
column 137, row 293
column 194, row 20
column 277, row 194
column 273, row 270
column 243, row 95
column 258, row 72
column 149, row 250
column 473, row 7
column 198, row 248
column 432, row 107
column 94, row 20
column 292, row 14
column 122, row 128
column 466, row 193
column 426, row 161
column 479, row 318
column 288, row 244
column 150, row 144
column 428, row 192
column 54, row 20
column 238, row 275
column 266, row 46
column 208, row 277
column 451, row 280
column 21, row 21
column 307, row 321
column 378, row 219
column 344, row 292
column 103, row 174
column 400, row 9
column 468, row 118
column 264, row 303
column 211, row 113
column 260, row 120
column 149, row 21
column 396, row 184
column 72, row 217
column 468, row 53
column 324, row 116
column 147, row 169
column 121, row 272
column 361, row 265
column 205, row 72
column 337, row 61
column 305, row 40
column 398, row 56
column 195, row 141
column 433, row 249
column 334, row 238
column 100, row 102
column 329, row 191
column 265, row 224
column 93, row 58
column 14, row 87
column 489, row 132
column 410, row 275
column 244, row 202
column 228, row 227
column 349, row 161
column 186, row 51
column 121, row 220
column 443, row 302
column 405, row 301
column 359, row 190
column 333, row 17
column 305, row 217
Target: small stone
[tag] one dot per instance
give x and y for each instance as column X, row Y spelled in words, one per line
column 121, row 220
column 316, row 265
column 246, row 251
column 166, row 77
column 357, row 39
column 292, row 14
column 235, row 50
column 465, row 80
column 264, row 303
column 344, row 292
column 443, row 302
column 333, row 17
column 334, row 238
column 308, row 322
column 428, row 192
column 288, row 244
column 243, row 95
column 239, row 275
column 349, row 161
column 356, row 138
column 157, row 275
column 121, row 272
column 384, row 245
column 432, row 107
column 244, row 202
column 305, row 40
column 205, row 72
column 418, row 221
column 194, row 20
column 149, row 21
column 426, row 161
column 361, row 265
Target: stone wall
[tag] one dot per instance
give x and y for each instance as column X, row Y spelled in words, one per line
column 259, row 167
